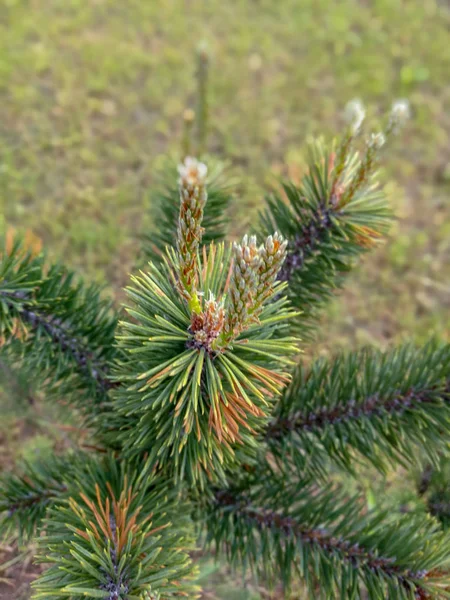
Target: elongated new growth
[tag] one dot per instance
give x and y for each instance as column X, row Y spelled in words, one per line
column 189, row 234
column 242, row 289
column 272, row 256
column 255, row 271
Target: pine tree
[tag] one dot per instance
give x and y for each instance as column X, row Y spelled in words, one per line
column 206, row 426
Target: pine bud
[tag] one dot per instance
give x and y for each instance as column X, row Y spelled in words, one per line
column 272, row 256
column 189, row 234
column 192, row 173
column 400, row 113
column 242, row 288
column 208, row 325
column 355, row 114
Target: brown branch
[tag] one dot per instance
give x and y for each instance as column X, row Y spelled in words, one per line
column 439, row 508
column 63, row 337
column 352, row 552
column 372, row 406
column 304, row 243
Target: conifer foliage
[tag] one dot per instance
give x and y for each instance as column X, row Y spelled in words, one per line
column 206, row 425
column 201, row 365
column 335, row 214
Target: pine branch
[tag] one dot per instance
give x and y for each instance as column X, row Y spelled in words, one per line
column 32, row 500
column 335, row 546
column 323, row 539
column 81, row 507
column 192, row 411
column 381, row 406
column 374, row 405
column 335, row 215
column 61, row 336
column 26, row 496
column 62, row 330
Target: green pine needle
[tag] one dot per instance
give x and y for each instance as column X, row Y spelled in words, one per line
column 365, row 406
column 325, row 235
column 116, row 535
column 186, row 406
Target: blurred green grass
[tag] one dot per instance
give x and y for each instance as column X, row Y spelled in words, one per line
column 91, row 95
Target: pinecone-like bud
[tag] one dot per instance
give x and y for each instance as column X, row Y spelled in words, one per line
column 207, row 326
column 272, row 255
column 242, row 287
column 255, row 271
column 189, row 234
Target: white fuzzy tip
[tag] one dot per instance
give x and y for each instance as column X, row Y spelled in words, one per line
column 355, row 114
column 377, row 140
column 400, row 111
column 192, row 172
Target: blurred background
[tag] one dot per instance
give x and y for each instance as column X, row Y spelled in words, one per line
column 92, row 94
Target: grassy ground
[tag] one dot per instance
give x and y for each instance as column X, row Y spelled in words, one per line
column 91, row 93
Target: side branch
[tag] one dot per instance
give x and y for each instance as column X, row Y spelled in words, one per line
column 383, row 406
column 68, row 343
column 25, row 498
column 374, row 405
column 61, row 336
column 287, row 529
column 303, row 244
column 32, row 500
column 334, row 215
